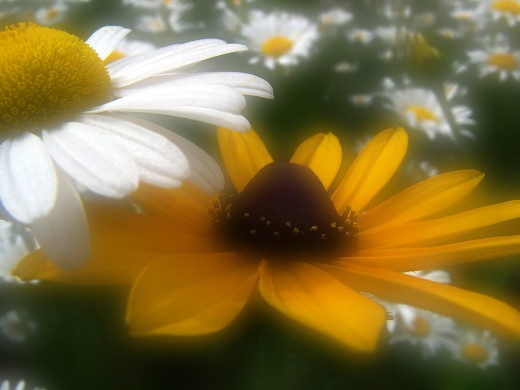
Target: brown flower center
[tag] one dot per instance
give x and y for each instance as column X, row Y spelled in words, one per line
column 284, row 211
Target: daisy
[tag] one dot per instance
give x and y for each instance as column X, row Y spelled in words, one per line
column 428, row 331
column 360, row 35
column 497, row 58
column 62, row 123
column 53, row 14
column 477, row 347
column 279, row 38
column 508, row 10
column 335, row 17
column 15, row 243
column 420, row 109
column 310, row 255
column 6, row 385
column 15, row 326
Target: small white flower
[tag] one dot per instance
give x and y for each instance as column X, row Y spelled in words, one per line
column 360, row 35
column 6, row 385
column 77, row 128
column 53, row 14
column 497, row 57
column 429, row 331
column 361, row 100
column 507, row 10
column 346, row 67
column 151, row 23
column 279, row 38
column 420, row 170
column 230, row 20
column 16, row 327
column 335, row 17
column 420, row 109
column 478, row 347
column 16, row 242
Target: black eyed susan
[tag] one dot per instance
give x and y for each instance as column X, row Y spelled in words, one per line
column 312, row 251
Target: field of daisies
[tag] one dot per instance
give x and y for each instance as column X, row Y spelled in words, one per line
column 259, row 194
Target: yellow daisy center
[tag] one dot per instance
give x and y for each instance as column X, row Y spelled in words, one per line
column 504, row 61
column 422, row 113
column 47, row 76
column 507, row 6
column 284, row 211
column 276, row 46
column 420, row 327
column 474, row 352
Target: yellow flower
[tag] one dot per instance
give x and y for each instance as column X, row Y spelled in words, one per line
column 310, row 255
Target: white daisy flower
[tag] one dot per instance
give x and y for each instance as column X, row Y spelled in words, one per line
column 20, row 385
column 497, row 58
column 449, row 33
column 420, row 170
column 53, row 14
column 508, row 10
column 428, row 331
column 420, row 109
column 230, row 20
column 335, row 17
column 279, row 38
column 360, row 35
column 346, row 67
column 361, row 100
column 16, row 327
column 477, row 347
column 151, row 23
column 16, row 242
column 61, row 120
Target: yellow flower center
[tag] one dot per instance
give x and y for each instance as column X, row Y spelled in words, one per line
column 284, row 211
column 504, row 61
column 507, row 6
column 422, row 114
column 276, row 46
column 46, row 76
column 474, row 352
column 420, row 327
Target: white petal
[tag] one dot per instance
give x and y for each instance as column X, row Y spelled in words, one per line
column 246, row 84
column 205, row 172
column 132, row 69
column 28, row 182
column 160, row 162
column 214, row 104
column 91, row 158
column 104, row 40
column 63, row 234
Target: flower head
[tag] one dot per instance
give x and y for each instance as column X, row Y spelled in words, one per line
column 497, row 57
column 478, row 347
column 279, row 38
column 61, row 123
column 313, row 251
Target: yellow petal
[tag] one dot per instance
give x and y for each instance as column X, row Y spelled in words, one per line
column 108, row 266
column 441, row 228
column 190, row 295
column 322, row 154
column 423, row 199
column 186, row 206
column 413, row 259
column 123, row 243
column 311, row 296
column 244, row 154
column 448, row 300
column 371, row 170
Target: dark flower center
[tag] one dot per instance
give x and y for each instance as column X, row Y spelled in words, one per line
column 284, row 211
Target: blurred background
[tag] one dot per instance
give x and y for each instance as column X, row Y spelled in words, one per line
column 447, row 71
